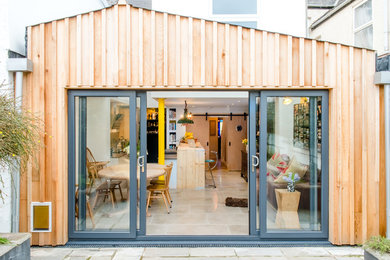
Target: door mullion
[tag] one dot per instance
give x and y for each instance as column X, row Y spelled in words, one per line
column 142, row 186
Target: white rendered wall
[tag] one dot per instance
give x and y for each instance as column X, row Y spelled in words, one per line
column 5, row 79
column 283, row 16
column 27, row 12
column 339, row 28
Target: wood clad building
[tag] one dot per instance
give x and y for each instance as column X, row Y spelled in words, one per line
column 123, row 47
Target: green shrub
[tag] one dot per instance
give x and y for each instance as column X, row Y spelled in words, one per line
column 380, row 244
column 4, row 241
column 20, row 134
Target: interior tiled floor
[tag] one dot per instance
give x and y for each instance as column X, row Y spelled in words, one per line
column 193, row 212
column 202, row 212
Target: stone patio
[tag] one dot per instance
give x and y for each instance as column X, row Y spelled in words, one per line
column 249, row 253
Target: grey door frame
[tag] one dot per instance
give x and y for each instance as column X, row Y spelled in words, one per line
column 140, row 234
column 293, row 234
column 100, row 234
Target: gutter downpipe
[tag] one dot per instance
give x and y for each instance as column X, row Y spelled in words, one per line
column 17, row 66
column 15, row 188
column 383, row 78
column 386, row 25
column 387, row 155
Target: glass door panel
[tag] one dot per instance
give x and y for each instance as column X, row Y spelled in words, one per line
column 103, row 171
column 293, row 164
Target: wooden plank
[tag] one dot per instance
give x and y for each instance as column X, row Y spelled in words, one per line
column 78, row 51
column 221, row 55
column 351, row 141
column 289, row 61
column 307, row 63
column 202, row 52
column 314, row 63
column 122, row 46
column 245, row 50
column 208, row 54
column 196, row 53
column 135, row 64
column 190, row 51
column 227, row 54
column 160, row 48
column 165, row 49
column 153, row 48
column 265, row 59
column 239, row 55
column 233, row 53
column 276, row 67
column 146, row 55
column 128, row 45
column 140, row 38
column 215, row 54
column 97, row 44
column 258, row 59
column 252, row 57
column 184, row 51
column 171, row 57
column 178, row 51
column 104, row 48
column 301, row 62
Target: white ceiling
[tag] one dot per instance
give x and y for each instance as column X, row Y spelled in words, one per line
column 206, row 102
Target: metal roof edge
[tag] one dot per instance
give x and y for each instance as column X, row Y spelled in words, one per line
column 329, row 14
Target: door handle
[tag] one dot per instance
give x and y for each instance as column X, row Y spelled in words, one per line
column 255, row 162
column 141, row 161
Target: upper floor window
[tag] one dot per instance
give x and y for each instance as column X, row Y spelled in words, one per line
column 363, row 30
column 234, row 7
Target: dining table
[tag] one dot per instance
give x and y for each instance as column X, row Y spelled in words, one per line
column 121, row 171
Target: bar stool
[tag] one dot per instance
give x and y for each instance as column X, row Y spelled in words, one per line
column 209, row 162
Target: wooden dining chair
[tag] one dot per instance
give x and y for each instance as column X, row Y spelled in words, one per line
column 161, row 182
column 157, row 191
column 105, row 188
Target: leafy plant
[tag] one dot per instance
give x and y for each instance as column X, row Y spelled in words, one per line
column 20, row 134
column 378, row 243
column 4, row 241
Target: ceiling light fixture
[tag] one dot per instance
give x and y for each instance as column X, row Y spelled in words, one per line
column 287, row 100
column 186, row 119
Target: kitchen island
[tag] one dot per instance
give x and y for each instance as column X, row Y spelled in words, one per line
column 190, row 166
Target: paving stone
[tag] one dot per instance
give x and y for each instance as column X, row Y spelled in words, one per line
column 100, row 258
column 349, row 257
column 212, row 251
column 83, row 252
column 77, row 258
column 163, row 251
column 47, row 257
column 304, row 251
column 126, row 257
column 57, row 253
column 263, row 258
column 345, row 251
column 263, row 251
column 311, row 258
column 131, row 251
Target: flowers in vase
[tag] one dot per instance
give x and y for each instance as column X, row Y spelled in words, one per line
column 291, row 179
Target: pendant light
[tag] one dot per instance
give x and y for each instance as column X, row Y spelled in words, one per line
column 186, row 119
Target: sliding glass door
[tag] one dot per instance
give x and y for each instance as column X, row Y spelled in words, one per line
column 289, row 143
column 104, row 163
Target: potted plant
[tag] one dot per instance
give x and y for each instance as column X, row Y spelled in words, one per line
column 245, row 142
column 20, row 134
column 377, row 248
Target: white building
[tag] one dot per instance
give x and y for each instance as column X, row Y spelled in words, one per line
column 362, row 23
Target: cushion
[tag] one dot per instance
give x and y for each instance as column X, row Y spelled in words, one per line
column 277, row 164
column 294, row 167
